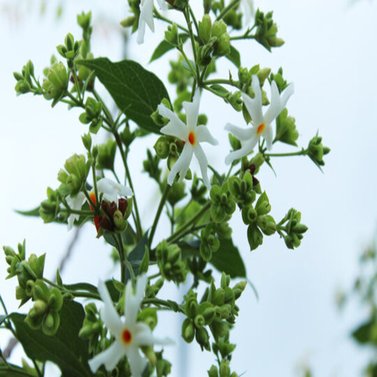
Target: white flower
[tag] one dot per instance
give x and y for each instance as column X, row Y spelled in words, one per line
column 261, row 124
column 248, row 10
column 146, row 17
column 192, row 135
column 112, row 190
column 128, row 333
column 75, row 203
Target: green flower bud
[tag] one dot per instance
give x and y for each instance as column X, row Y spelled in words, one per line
column 188, row 331
column 222, row 46
column 84, row 19
column 176, row 193
column 87, row 141
column 213, row 372
column 39, row 308
column 51, row 323
column 119, row 222
column 55, row 301
column 106, row 155
column 22, row 87
column 205, row 26
column 171, row 35
column 56, row 82
column 219, row 297
column 254, row 236
column 162, row 147
column 239, row 288
column 220, row 329
column 199, row 321
column 128, row 22
column 202, row 338
column 219, row 28
column 263, row 205
column 224, row 368
column 41, row 291
column 316, row 150
column 267, row 224
column 249, row 215
column 74, row 178
column 209, row 314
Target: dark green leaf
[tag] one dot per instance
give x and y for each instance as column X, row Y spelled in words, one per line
column 164, row 47
column 228, row 259
column 13, row 371
column 220, row 90
column 33, row 212
column 363, row 334
column 136, row 91
column 65, row 349
column 136, row 256
column 234, row 56
column 81, row 287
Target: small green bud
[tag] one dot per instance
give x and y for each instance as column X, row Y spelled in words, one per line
column 172, row 36
column 267, row 224
column 51, row 323
column 56, row 82
column 219, row 28
column 249, row 215
column 87, row 141
column 162, row 147
column 84, row 19
column 224, row 368
column 119, row 222
column 106, row 155
column 199, row 321
column 213, row 372
column 202, row 338
column 128, row 22
column 239, row 288
column 188, row 331
column 39, row 308
column 316, row 150
column 55, row 301
column 205, row 26
column 222, row 47
column 263, row 205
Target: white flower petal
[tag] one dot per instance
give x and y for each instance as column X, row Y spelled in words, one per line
column 192, row 110
column 175, row 127
column 268, row 136
column 288, row 91
column 254, row 105
column 202, row 159
column 246, row 148
column 140, row 32
column 133, row 299
column 108, row 313
column 143, row 335
column 203, row 135
column 146, row 13
column 182, row 164
column 275, row 107
column 75, row 203
column 248, row 10
column 112, row 190
column 137, row 363
column 110, row 358
column 241, row 134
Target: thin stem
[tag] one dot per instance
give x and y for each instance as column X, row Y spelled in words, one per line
column 37, row 368
column 222, row 81
column 227, row 9
column 128, row 174
column 182, row 230
column 241, row 37
column 158, row 213
column 186, row 12
column 194, row 19
column 73, row 293
column 162, row 18
column 302, row 152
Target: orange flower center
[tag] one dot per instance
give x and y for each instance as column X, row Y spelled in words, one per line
column 192, row 138
column 261, row 128
column 96, row 218
column 127, row 336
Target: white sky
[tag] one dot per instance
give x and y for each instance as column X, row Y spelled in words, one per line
column 330, row 55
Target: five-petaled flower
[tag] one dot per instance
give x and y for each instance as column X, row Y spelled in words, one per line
column 261, row 124
column 146, row 17
column 128, row 333
column 192, row 135
column 111, row 190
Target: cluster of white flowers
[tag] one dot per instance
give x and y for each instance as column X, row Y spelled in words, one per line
column 193, row 135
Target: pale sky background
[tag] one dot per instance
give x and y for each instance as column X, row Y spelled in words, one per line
column 330, row 55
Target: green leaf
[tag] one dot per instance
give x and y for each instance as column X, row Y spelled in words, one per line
column 234, row 56
column 81, row 287
column 220, row 90
column 33, row 212
column 11, row 370
column 136, row 91
column 65, row 349
column 363, row 334
column 136, row 256
column 228, row 259
column 165, row 47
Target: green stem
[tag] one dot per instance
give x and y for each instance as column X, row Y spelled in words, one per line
column 158, row 213
column 128, row 174
column 222, row 81
column 227, row 9
column 73, row 293
column 186, row 13
column 162, row 18
column 158, row 302
column 302, row 152
column 183, row 229
column 194, row 19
